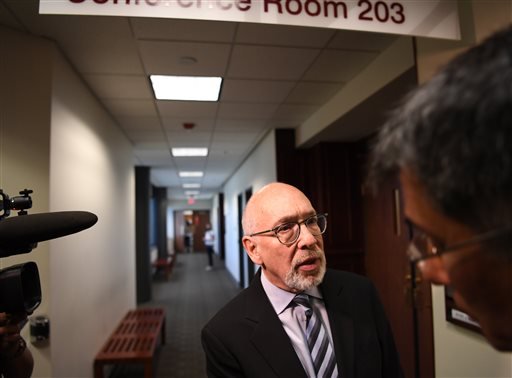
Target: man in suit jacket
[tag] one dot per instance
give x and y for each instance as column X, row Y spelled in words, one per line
column 261, row 332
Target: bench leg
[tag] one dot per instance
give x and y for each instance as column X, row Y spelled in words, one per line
column 148, row 369
column 98, row 370
column 162, row 332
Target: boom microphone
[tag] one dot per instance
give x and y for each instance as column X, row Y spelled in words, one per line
column 20, row 234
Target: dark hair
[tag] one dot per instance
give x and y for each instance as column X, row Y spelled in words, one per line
column 455, row 133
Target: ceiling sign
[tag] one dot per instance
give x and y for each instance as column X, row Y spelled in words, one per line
column 427, row 18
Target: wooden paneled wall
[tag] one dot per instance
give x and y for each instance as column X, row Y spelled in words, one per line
column 329, row 174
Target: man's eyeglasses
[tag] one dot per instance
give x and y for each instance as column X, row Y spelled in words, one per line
column 289, row 232
column 424, row 247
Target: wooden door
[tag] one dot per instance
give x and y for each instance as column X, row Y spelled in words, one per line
column 242, row 256
column 179, row 231
column 200, row 219
column 405, row 299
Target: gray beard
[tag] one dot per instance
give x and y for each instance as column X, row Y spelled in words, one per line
column 297, row 281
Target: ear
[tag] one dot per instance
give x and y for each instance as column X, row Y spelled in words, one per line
column 252, row 250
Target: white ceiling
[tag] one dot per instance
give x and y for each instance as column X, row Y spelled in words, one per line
column 274, row 77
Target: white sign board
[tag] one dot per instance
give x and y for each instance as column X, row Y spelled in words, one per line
column 427, row 18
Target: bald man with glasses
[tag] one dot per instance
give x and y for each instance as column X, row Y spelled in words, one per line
column 297, row 318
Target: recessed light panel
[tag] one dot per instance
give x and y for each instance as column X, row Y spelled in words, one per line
column 189, row 151
column 191, row 185
column 189, row 193
column 191, row 174
column 186, row 88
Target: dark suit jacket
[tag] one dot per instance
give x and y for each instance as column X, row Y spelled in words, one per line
column 246, row 338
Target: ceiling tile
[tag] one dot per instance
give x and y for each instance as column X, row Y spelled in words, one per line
column 155, row 157
column 189, row 139
column 118, row 58
column 93, row 44
column 176, row 124
column 187, row 108
column 120, row 86
column 187, row 30
column 246, row 111
column 164, row 177
column 238, row 139
column 255, row 90
column 224, row 151
column 143, row 136
column 264, row 62
column 190, row 164
column 130, row 107
column 282, row 35
column 140, row 123
column 166, row 58
column 240, row 125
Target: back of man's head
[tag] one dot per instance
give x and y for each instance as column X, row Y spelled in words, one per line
column 455, row 134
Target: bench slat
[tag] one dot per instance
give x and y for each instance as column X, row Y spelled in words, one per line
column 133, row 340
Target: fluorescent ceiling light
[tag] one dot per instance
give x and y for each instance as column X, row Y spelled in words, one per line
column 189, row 151
column 191, row 185
column 191, row 174
column 188, row 88
column 191, row 192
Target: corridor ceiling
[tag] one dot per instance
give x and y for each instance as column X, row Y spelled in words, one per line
column 274, row 77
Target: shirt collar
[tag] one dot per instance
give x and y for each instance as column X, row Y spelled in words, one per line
column 279, row 298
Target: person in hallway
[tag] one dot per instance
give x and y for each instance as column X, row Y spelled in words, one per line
column 451, row 145
column 294, row 301
column 15, row 358
column 209, row 241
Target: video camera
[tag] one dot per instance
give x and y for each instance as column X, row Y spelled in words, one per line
column 20, row 288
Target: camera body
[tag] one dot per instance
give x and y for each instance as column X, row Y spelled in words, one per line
column 20, row 287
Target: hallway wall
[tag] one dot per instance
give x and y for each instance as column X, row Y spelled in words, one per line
column 92, row 272
column 257, row 170
column 25, row 74
column 57, row 140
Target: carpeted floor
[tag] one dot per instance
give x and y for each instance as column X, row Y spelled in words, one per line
column 190, row 297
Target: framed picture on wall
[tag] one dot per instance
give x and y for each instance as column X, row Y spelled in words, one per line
column 457, row 316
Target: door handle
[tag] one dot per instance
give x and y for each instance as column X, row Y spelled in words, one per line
column 412, row 292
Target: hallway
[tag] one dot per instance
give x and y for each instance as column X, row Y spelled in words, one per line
column 190, row 297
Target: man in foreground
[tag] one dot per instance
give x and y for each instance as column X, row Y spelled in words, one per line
column 297, row 318
column 451, row 144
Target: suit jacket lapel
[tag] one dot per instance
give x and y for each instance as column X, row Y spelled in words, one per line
column 269, row 337
column 342, row 326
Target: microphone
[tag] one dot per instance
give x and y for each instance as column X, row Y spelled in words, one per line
column 20, row 234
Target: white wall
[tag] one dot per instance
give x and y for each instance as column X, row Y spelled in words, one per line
column 25, row 71
column 214, row 219
column 57, row 140
column 257, row 170
column 92, row 272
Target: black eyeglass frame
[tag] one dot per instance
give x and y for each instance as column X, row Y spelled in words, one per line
column 304, row 222
column 436, row 251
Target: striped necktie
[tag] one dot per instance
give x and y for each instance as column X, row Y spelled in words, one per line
column 322, row 353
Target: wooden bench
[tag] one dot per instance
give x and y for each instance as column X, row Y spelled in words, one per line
column 164, row 265
column 133, row 341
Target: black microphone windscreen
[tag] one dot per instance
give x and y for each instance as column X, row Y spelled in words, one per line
column 25, row 230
